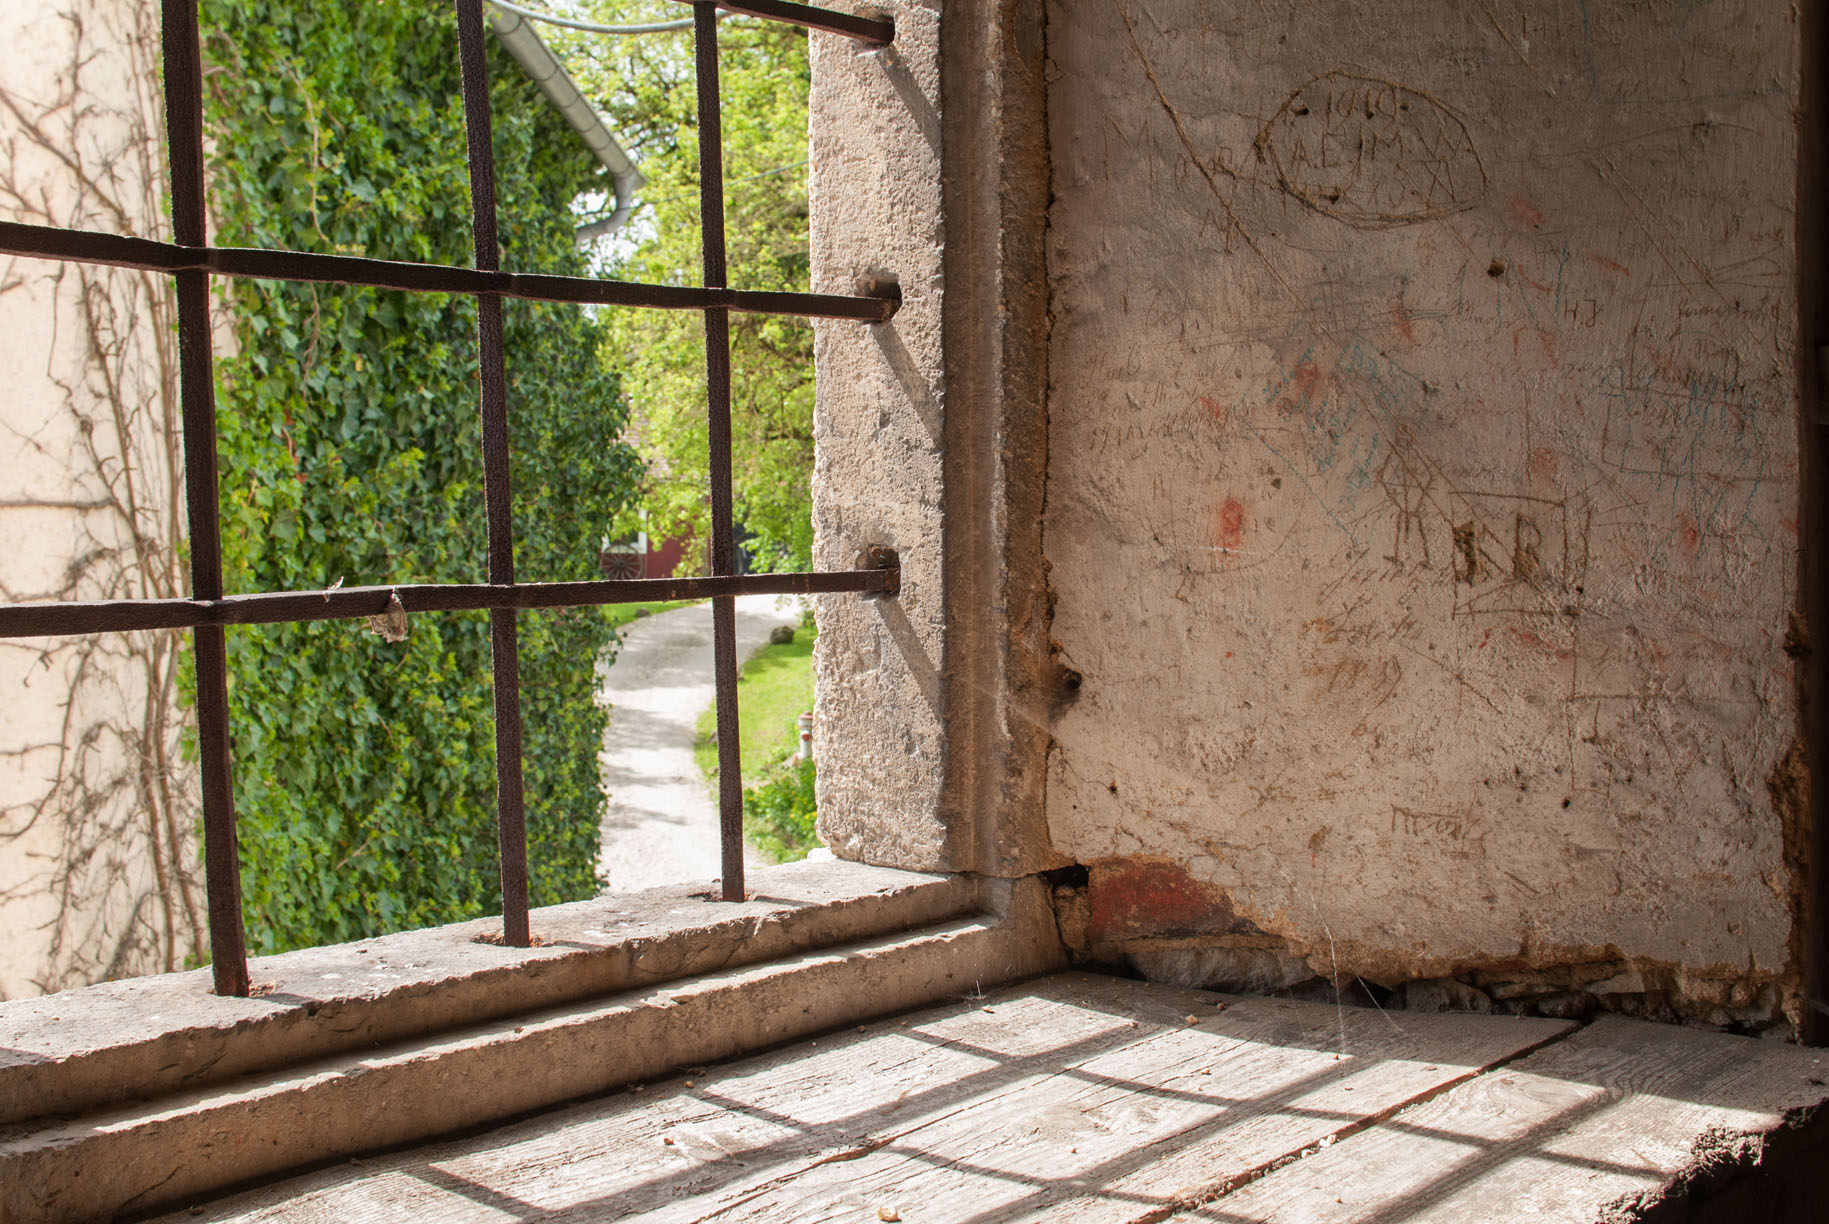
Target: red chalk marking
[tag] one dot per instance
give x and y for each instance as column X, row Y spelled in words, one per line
column 1536, row 643
column 1307, row 378
column 1524, row 214
column 1231, row 523
column 1405, row 328
column 1692, row 538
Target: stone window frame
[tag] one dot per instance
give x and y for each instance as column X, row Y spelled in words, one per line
column 930, row 173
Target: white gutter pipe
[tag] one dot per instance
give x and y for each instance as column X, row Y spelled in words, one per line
column 592, row 27
column 543, row 68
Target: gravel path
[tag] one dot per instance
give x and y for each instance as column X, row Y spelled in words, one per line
column 662, row 825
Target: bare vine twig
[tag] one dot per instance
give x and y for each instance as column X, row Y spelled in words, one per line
column 98, row 841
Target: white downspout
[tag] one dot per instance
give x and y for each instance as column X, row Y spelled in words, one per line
column 543, row 68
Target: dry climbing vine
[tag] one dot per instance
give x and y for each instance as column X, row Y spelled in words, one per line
column 97, row 810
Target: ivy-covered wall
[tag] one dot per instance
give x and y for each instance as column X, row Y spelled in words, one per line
column 350, row 450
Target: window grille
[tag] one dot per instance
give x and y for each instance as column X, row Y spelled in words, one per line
column 190, row 261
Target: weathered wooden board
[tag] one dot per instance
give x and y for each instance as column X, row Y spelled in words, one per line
column 1615, row 1111
column 1078, row 1097
column 1180, row 1111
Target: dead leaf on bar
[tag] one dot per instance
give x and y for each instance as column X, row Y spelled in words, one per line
column 391, row 624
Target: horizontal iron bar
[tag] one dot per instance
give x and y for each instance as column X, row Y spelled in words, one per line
column 866, row 29
column 346, row 603
column 116, row 250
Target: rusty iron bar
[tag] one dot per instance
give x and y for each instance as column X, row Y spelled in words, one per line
column 498, row 513
column 875, row 31
column 191, row 262
column 183, row 62
column 350, row 603
column 146, row 255
column 885, row 561
column 717, row 418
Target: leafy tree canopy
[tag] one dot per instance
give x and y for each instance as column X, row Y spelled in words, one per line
column 645, row 87
column 350, row 451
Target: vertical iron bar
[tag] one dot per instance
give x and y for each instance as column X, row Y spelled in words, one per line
column 197, row 399
column 511, row 823
column 717, row 394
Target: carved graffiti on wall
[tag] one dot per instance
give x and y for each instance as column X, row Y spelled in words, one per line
column 1371, row 152
column 1516, row 555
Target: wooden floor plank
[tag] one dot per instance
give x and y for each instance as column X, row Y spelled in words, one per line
column 1132, row 1131
column 775, row 1116
column 1614, row 1111
column 1083, row 1099
column 1078, row 1097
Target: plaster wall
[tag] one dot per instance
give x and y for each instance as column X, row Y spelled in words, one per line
column 1423, row 483
column 96, row 807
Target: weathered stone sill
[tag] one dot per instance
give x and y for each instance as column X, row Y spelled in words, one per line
column 80, row 1050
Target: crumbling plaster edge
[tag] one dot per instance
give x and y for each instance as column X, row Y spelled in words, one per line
column 1261, row 956
column 1722, row 1160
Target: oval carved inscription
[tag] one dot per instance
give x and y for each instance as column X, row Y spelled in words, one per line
column 1372, row 153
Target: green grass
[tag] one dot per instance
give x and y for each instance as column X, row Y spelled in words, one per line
column 774, row 688
column 622, row 614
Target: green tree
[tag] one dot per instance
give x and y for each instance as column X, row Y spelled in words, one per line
column 350, row 451
column 645, row 85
